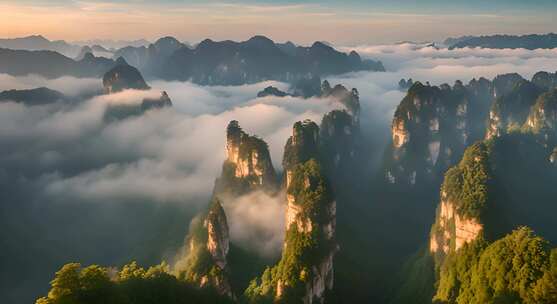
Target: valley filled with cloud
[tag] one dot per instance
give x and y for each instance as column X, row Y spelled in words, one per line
column 72, row 156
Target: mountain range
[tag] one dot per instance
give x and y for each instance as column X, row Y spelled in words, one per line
column 209, row 63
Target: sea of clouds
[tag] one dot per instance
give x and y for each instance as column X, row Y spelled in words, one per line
column 71, row 153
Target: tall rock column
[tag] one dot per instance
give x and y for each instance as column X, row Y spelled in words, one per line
column 207, row 246
column 429, row 129
column 302, row 146
column 510, row 111
column 248, row 165
column 464, row 197
column 542, row 119
column 305, row 271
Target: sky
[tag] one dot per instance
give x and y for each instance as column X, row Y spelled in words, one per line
column 349, row 22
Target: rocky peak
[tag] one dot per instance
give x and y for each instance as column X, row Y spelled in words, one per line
column 325, row 88
column 84, row 50
column 164, row 47
column 123, row 77
column 404, row 84
column 288, row 48
column 302, row 146
column 271, row 91
column 218, row 240
column 349, row 98
column 354, row 58
column 311, row 212
column 504, row 84
column 248, row 164
column 259, row 41
column 320, row 46
column 339, row 140
column 545, row 80
column 542, row 119
column 510, row 111
column 305, row 271
column 429, row 129
column 208, row 242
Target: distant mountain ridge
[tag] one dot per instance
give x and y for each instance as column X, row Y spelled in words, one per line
column 51, row 64
column 530, row 42
column 208, row 63
column 234, row 63
column 38, row 42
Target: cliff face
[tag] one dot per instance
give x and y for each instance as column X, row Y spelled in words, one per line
column 310, row 213
column 542, row 119
column 311, row 216
column 504, row 84
column 248, row 164
column 208, row 243
column 340, row 140
column 452, row 230
column 510, row 110
column 305, row 270
column 218, row 240
column 430, row 129
column 432, row 125
column 464, row 197
column 300, row 147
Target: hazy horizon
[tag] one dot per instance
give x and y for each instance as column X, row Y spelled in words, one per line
column 368, row 22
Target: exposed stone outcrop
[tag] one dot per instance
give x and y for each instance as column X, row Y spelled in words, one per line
column 509, row 111
column 218, row 239
column 430, row 129
column 432, row 125
column 302, row 146
column 349, row 98
column 465, row 195
column 305, row 270
column 208, row 243
column 340, row 140
column 123, row 77
column 543, row 117
column 504, row 84
column 248, row 164
column 453, row 230
column 311, row 213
